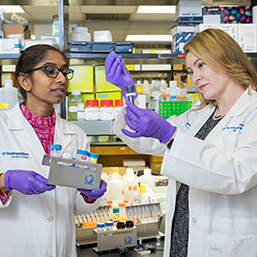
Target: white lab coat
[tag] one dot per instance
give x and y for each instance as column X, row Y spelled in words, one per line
column 222, row 174
column 38, row 225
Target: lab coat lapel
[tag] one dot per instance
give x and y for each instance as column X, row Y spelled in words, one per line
column 237, row 109
column 25, row 134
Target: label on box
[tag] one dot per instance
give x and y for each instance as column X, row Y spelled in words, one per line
column 10, row 46
column 179, row 40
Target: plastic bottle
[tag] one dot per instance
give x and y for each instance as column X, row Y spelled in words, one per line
column 155, row 93
column 8, row 95
column 122, row 211
column 93, row 157
column 76, row 106
column 163, row 84
column 92, row 111
column 55, row 25
column 139, row 86
column 109, row 225
column 129, row 180
column 115, row 187
column 80, row 34
column 82, row 155
column 100, row 227
column 147, row 179
column 146, row 90
column 106, row 110
column 173, row 89
column 55, row 150
column 118, row 106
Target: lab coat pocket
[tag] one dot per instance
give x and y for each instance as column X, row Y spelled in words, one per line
column 220, row 247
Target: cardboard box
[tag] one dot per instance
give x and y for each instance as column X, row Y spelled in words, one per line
column 179, row 40
column 10, row 46
column 183, row 28
column 13, row 31
column 189, row 11
column 247, row 37
column 211, row 14
column 236, row 14
column 231, row 29
column 111, row 95
column 101, row 85
column 83, row 79
column 208, row 26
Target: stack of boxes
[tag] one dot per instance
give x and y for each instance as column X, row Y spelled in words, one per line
column 191, row 17
column 236, row 21
column 188, row 16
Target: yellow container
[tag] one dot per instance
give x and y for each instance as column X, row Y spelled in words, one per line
column 101, row 85
column 83, row 79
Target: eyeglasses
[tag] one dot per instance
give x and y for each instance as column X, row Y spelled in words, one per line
column 52, row 71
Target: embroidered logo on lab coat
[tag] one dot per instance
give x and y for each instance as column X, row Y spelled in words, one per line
column 16, row 155
column 235, row 128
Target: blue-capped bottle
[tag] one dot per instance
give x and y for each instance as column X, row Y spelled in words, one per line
column 55, row 150
column 93, row 157
column 82, row 155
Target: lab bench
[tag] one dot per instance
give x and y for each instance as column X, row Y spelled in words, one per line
column 87, row 251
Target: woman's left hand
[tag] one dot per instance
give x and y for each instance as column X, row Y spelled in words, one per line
column 147, row 123
column 94, row 193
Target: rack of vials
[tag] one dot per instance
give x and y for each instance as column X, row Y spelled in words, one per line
column 146, row 219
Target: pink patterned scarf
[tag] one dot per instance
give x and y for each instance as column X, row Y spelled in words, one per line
column 43, row 126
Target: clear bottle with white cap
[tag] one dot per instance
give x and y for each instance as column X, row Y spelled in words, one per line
column 155, row 96
column 8, row 95
column 173, row 90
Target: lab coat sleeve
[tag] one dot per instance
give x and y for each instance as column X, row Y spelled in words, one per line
column 209, row 167
column 142, row 145
column 81, row 207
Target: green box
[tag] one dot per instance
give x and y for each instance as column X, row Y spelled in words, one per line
column 83, row 79
column 108, row 96
column 101, row 85
column 169, row 108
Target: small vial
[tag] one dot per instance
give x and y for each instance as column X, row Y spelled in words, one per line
column 100, row 226
column 109, row 225
column 55, row 150
column 93, row 157
column 173, row 98
column 82, row 155
column 122, row 211
column 109, row 203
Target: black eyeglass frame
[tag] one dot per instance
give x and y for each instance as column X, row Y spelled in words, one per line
column 57, row 73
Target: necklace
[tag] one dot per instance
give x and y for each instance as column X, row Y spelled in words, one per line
column 217, row 117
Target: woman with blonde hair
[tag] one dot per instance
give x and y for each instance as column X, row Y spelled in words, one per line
column 210, row 150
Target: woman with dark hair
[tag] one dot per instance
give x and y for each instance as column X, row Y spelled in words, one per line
column 37, row 219
column 210, row 150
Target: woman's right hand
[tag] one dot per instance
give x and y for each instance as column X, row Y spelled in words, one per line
column 26, row 181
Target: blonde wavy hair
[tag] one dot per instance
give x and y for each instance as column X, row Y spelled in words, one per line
column 222, row 53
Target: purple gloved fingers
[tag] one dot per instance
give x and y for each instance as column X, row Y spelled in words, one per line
column 94, row 193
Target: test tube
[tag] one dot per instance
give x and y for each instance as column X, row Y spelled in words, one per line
column 122, row 211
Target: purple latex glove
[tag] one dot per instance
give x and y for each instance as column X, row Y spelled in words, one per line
column 26, row 181
column 94, row 193
column 117, row 73
column 147, row 123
